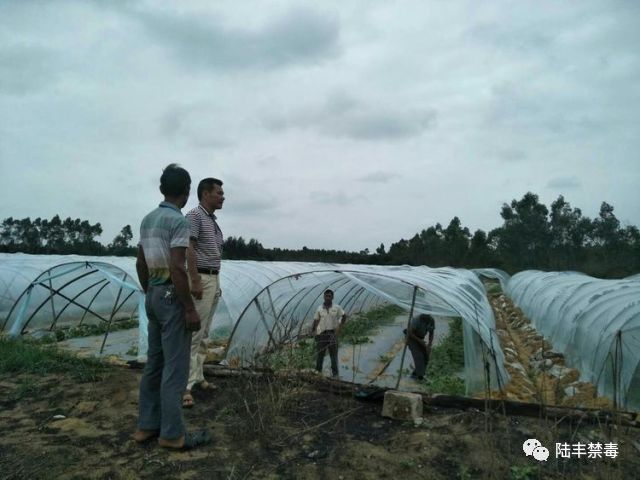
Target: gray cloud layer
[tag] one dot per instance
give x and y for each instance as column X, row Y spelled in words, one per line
column 378, row 117
column 301, row 36
column 345, row 116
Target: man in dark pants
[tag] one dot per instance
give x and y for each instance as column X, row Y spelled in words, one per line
column 164, row 238
column 327, row 322
column 420, row 351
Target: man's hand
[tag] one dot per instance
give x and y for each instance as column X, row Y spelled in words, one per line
column 192, row 320
column 196, row 288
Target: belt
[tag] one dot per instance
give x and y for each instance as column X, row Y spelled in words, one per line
column 209, row 271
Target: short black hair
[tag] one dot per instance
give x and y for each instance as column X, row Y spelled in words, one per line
column 328, row 290
column 174, row 181
column 206, row 185
column 425, row 316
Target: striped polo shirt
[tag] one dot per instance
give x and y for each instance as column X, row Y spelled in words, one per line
column 161, row 230
column 208, row 236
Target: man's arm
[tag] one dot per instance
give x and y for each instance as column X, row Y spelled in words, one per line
column 430, row 342
column 142, row 269
column 194, row 276
column 417, row 338
column 181, row 285
column 316, row 320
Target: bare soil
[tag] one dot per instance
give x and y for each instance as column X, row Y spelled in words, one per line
column 277, row 428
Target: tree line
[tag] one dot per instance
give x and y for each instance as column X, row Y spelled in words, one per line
column 531, row 236
column 57, row 236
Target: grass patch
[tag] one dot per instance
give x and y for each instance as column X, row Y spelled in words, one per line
column 493, row 288
column 358, row 328
column 19, row 356
column 446, row 362
column 295, row 355
column 89, row 330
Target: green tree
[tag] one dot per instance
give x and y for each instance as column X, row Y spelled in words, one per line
column 524, row 237
column 121, row 242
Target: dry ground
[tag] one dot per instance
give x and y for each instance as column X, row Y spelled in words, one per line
column 277, row 428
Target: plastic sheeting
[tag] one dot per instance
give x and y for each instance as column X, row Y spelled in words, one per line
column 266, row 303
column 284, row 309
column 68, row 291
column 594, row 322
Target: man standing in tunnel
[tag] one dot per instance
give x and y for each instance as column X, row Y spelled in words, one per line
column 327, row 322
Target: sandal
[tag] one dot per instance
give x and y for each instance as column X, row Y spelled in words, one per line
column 148, row 436
column 192, row 440
column 187, row 400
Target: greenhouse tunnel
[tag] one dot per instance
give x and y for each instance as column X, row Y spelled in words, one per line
column 263, row 304
column 282, row 311
column 72, row 294
column 595, row 323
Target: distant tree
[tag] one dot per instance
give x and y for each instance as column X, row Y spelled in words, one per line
column 606, row 228
column 570, row 233
column 480, row 254
column 456, row 243
column 524, row 238
column 121, row 242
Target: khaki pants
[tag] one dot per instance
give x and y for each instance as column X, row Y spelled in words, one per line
column 205, row 307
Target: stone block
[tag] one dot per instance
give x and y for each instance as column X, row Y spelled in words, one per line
column 402, row 405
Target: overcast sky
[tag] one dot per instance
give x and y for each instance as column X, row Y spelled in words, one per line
column 332, row 124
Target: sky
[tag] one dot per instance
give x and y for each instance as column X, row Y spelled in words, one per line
column 337, row 125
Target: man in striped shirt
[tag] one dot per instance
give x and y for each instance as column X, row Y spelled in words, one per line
column 203, row 263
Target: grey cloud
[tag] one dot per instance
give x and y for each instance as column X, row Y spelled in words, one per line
column 512, row 156
column 250, row 205
column 511, row 36
column 197, row 124
column 564, row 182
column 379, row 177
column 26, row 69
column 299, row 37
column 340, row 198
column 269, row 161
column 345, row 116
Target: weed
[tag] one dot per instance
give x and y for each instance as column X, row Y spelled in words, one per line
column 464, row 473
column 521, row 472
column 293, row 355
column 18, row 356
column 493, row 289
column 407, row 463
column 385, row 358
column 446, row 361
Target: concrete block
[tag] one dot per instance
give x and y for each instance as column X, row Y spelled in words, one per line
column 402, row 405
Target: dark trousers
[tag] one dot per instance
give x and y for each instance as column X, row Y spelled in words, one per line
column 165, row 376
column 327, row 340
column 420, row 357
